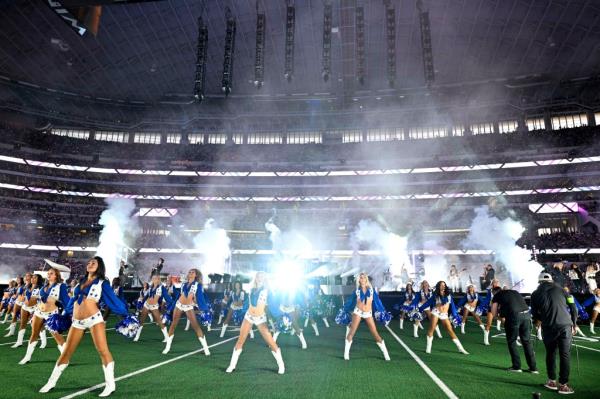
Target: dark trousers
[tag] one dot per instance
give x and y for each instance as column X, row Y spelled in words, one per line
column 558, row 339
column 519, row 325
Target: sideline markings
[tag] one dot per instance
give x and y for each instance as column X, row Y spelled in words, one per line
column 427, row 370
column 145, row 369
column 585, row 347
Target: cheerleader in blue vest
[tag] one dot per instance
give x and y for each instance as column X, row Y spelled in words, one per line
column 85, row 309
column 407, row 304
column 235, row 305
column 4, row 305
column 52, row 296
column 256, row 316
column 595, row 301
column 425, row 293
column 487, row 305
column 442, row 306
column 32, row 295
column 364, row 301
column 289, row 304
column 192, row 294
column 22, row 285
column 155, row 296
column 471, row 305
column 224, row 303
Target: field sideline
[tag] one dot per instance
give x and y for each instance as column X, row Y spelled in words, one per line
column 319, row 371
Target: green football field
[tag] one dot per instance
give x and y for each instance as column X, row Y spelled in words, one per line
column 318, row 372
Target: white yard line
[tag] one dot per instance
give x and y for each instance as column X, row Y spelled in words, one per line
column 427, row 370
column 585, row 347
column 145, row 369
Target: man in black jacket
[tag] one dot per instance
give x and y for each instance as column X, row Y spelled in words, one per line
column 514, row 309
column 548, row 305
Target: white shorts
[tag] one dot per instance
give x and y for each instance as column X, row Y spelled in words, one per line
column 184, row 308
column 88, row 322
column 151, row 307
column 255, row 320
column 287, row 309
column 233, row 307
column 470, row 308
column 19, row 303
column 45, row 315
column 426, row 309
column 363, row 315
column 439, row 315
column 29, row 309
column 597, row 308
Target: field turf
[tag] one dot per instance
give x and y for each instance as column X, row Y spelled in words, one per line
column 318, row 372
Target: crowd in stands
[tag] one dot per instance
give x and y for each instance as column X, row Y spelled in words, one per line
column 563, row 240
column 580, row 278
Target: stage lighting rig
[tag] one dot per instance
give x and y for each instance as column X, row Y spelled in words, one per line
column 201, row 61
column 390, row 32
column 229, row 52
column 327, row 26
column 259, row 60
column 290, row 24
column 360, row 44
column 426, row 44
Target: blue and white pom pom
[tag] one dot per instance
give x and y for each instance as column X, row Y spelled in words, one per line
column 481, row 309
column 167, row 319
column 128, row 327
column 343, row 318
column 415, row 315
column 284, row 324
column 57, row 323
column 581, row 313
column 238, row 317
column 139, row 305
column 408, row 308
column 383, row 317
column 205, row 318
column 456, row 321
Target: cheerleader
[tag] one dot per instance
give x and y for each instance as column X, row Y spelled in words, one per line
column 32, row 295
column 487, row 302
column 317, row 307
column 407, row 305
column 424, row 294
column 191, row 294
column 118, row 290
column 5, row 305
column 256, row 316
column 22, row 285
column 72, row 286
column 363, row 301
column 235, row 304
column 85, row 309
column 52, row 295
column 440, row 304
column 469, row 305
column 157, row 294
column 595, row 300
column 225, row 301
column 289, row 304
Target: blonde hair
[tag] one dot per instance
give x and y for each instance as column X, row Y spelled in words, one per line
column 366, row 276
column 263, row 279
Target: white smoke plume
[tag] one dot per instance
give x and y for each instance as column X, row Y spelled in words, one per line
column 500, row 236
column 392, row 246
column 213, row 243
column 436, row 265
column 289, row 244
column 118, row 234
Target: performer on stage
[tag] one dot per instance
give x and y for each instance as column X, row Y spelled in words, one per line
column 235, row 306
column 86, row 315
column 440, row 304
column 32, row 295
column 471, row 306
column 257, row 316
column 454, row 279
column 157, row 294
column 364, row 300
column 52, row 296
column 22, row 284
column 191, row 293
